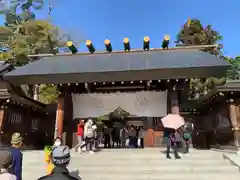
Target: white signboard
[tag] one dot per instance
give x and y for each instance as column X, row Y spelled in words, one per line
column 143, row 104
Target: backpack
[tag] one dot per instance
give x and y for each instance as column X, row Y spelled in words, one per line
column 186, row 136
column 89, row 132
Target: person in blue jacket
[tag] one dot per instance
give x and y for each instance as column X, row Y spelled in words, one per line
column 17, row 157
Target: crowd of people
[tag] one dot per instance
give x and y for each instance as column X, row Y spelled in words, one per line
column 57, row 161
column 125, row 137
column 58, row 156
column 118, row 137
column 11, row 159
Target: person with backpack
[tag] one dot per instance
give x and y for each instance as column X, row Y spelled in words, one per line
column 186, row 138
column 89, row 130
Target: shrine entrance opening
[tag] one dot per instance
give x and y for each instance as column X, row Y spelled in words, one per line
column 115, row 111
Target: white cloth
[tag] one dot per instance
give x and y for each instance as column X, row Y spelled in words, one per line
column 139, row 142
column 89, row 129
column 143, row 104
column 127, row 142
column 4, row 175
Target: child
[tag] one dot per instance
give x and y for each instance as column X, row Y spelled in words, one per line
column 48, row 154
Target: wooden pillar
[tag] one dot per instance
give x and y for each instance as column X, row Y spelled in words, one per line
column 234, row 122
column 59, row 116
column 174, row 102
column 149, row 136
column 2, row 116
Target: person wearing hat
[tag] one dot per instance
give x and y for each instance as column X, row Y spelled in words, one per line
column 16, row 144
column 61, row 159
column 5, row 164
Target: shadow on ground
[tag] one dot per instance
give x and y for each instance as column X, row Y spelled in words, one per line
column 75, row 174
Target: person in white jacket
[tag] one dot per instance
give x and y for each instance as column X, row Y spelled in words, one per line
column 89, row 130
column 5, row 165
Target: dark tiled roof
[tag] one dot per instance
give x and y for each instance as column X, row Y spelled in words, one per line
column 119, row 66
column 7, row 91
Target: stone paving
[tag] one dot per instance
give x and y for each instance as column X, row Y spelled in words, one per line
column 138, row 164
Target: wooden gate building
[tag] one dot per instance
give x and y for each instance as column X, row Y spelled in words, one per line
column 21, row 114
column 120, row 71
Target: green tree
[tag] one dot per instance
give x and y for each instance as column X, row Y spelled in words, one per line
column 48, row 93
column 30, row 37
column 20, row 10
column 234, row 70
column 194, row 33
column 22, row 35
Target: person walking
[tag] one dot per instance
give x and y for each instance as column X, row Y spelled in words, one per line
column 80, row 132
column 173, row 139
column 5, row 164
column 16, row 144
column 89, row 130
column 61, row 159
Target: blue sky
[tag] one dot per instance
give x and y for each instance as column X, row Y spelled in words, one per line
column 100, row 19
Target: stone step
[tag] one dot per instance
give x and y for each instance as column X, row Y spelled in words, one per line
column 128, row 164
column 138, row 152
column 164, row 176
column 138, row 164
column 97, row 157
column 149, row 169
column 135, row 165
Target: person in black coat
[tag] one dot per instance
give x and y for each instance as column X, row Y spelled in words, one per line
column 61, row 159
column 173, row 138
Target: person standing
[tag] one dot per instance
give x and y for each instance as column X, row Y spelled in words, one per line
column 48, row 154
column 61, row 159
column 89, row 135
column 173, row 139
column 186, row 138
column 16, row 144
column 107, row 137
column 5, row 164
column 80, row 131
column 141, row 137
column 123, row 136
column 132, row 137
